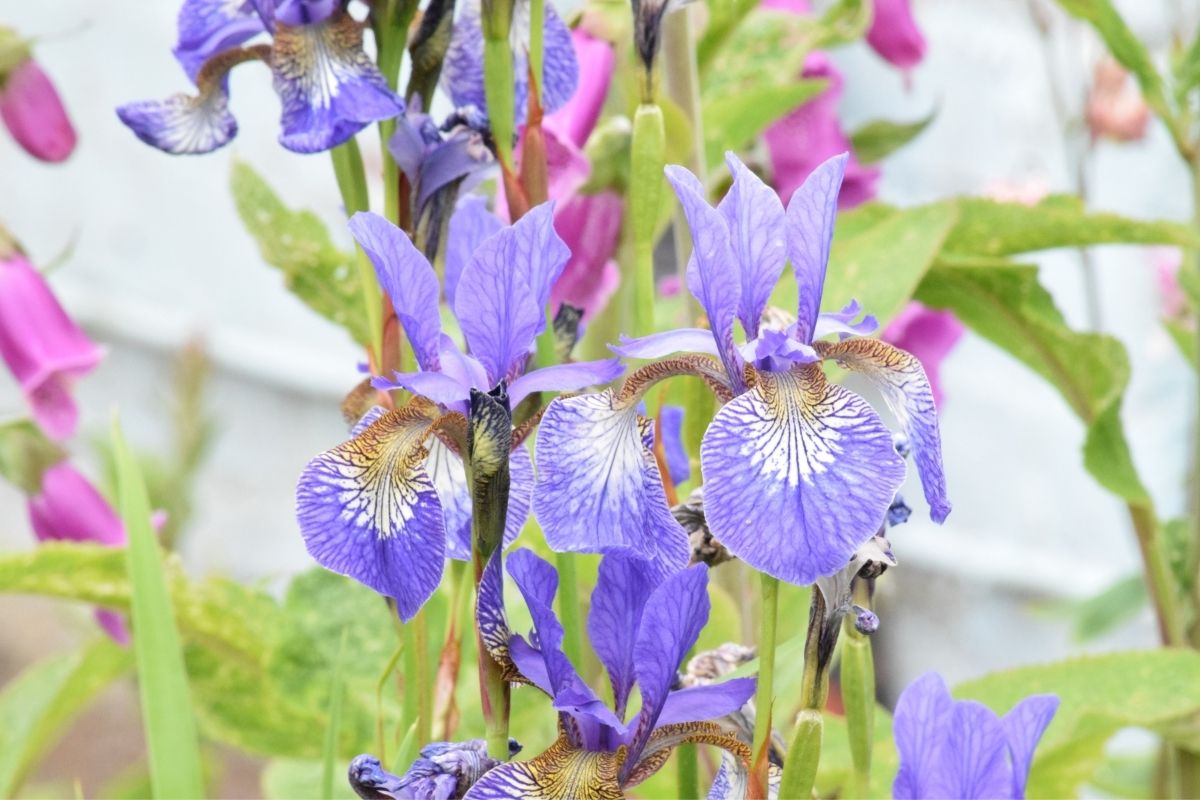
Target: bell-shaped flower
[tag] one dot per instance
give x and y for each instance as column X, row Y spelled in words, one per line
column 34, row 113
column 69, row 509
column 641, row 625
column 330, row 89
column 45, row 350
column 799, row 472
column 389, row 505
column 894, row 34
column 961, row 748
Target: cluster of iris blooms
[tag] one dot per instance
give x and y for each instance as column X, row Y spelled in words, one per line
column 800, row 474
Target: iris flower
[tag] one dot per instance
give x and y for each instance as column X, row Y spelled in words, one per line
column 389, row 505
column 961, row 749
column 641, row 626
column 330, row 89
column 444, row 771
column 799, row 472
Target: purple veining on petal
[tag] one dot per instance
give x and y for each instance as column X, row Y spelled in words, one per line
column 810, row 218
column 755, row 220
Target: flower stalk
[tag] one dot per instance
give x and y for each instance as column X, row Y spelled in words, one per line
column 764, row 694
column 647, row 159
column 858, row 691
column 804, row 753
column 352, row 183
column 498, row 83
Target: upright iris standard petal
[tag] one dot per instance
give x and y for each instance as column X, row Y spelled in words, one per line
column 470, row 224
column 798, row 474
column 408, row 279
column 755, row 219
column 330, row 88
column 1024, row 726
column 369, row 510
column 711, row 277
column 623, row 586
column 598, row 486
column 902, row 380
column 922, row 712
column 974, row 755
column 209, row 27
column 501, row 297
column 810, row 218
column 183, row 124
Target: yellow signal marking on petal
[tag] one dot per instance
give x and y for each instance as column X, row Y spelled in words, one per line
column 664, row 740
column 564, row 772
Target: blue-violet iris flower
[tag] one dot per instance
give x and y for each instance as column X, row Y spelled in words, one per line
column 329, row 88
column 799, row 472
column 444, row 771
column 961, row 749
column 388, row 506
column 641, row 626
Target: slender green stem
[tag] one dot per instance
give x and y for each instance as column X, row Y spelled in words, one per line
column 498, row 76
column 411, row 713
column 687, row 784
column 537, row 36
column 569, row 608
column 380, row 737
column 1158, row 574
column 635, row 293
column 424, row 682
column 764, row 693
column 1194, row 482
column 858, row 692
column 335, row 716
column 352, row 183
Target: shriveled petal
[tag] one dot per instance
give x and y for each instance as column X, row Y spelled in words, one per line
column 408, row 279
column 671, row 622
column 470, row 224
column 755, row 219
column 564, row 378
column 369, row 510
column 810, row 218
column 438, row 387
column 657, row 345
column 798, row 474
column 623, row 586
column 670, row 428
column 501, row 297
column 1023, row 728
column 710, row 278
column 713, row 701
column 560, row 772
column 208, row 27
column 901, row 379
column 598, row 486
column 182, row 124
column 330, row 89
column 920, row 727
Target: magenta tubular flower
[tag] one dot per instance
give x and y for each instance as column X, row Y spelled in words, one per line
column 69, row 509
column 812, row 134
column 43, row 348
column 929, row 335
column 590, row 224
column 894, row 34
column 577, row 117
column 960, row 748
column 34, row 114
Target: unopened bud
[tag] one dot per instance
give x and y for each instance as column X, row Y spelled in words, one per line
column 866, row 621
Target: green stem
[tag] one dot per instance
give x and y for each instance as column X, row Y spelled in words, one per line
column 537, row 36
column 569, row 608
column 687, row 784
column 498, row 76
column 764, row 693
column 335, row 715
column 380, row 736
column 352, row 183
column 648, row 155
column 1194, row 482
column 1158, row 574
column 803, row 755
column 858, row 692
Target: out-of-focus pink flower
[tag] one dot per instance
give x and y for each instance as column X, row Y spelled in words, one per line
column 590, row 224
column 69, row 508
column 929, row 335
column 575, row 120
column 1115, row 108
column 44, row 349
column 34, row 114
column 810, row 135
column 1167, row 261
column 1028, row 191
column 800, row 7
column 894, row 34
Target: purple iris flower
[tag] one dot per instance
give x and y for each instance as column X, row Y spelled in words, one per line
column 799, row 472
column 641, row 626
column 330, row 89
column 961, row 749
column 388, row 506
column 462, row 71
column 444, row 771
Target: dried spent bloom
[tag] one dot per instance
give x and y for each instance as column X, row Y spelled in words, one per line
column 641, row 624
column 961, row 748
column 328, row 86
column 1115, row 108
column 444, row 771
column 34, row 113
column 45, row 350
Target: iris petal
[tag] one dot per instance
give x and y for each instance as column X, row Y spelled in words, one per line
column 563, row 378
column 368, row 509
column 562, row 771
column 755, row 220
column 208, row 27
column 711, row 701
column 657, row 345
column 437, row 386
column 330, row 88
column 470, row 224
column 622, row 588
column 182, row 124
column 810, row 217
column 901, row 378
column 1024, row 726
column 922, row 714
column 598, row 485
column 798, row 473
column 974, row 755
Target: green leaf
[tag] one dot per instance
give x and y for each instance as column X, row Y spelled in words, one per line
column 1122, row 44
column 298, row 245
column 1102, row 613
column 876, row 140
column 835, row 775
column 1187, row 70
column 25, row 453
column 295, row 779
column 723, row 18
column 1155, row 689
column 1184, row 337
column 37, row 704
column 335, row 716
column 174, row 751
column 1106, row 455
column 735, row 118
column 1179, row 550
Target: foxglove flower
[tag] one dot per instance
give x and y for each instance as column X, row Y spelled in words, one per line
column 894, row 34
column 329, row 88
column 641, row 626
column 799, row 472
column 928, row 334
column 1115, row 109
column 34, row 113
column 45, row 350
column 444, row 771
column 389, row 505
column 961, row 749
column 69, row 509
column 462, row 71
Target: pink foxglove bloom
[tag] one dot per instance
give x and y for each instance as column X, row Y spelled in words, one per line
column 1115, row 109
column 69, row 509
column 1167, row 261
column 34, row 113
column 930, row 336
column 811, row 134
column 43, row 347
column 894, row 34
column 590, row 224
